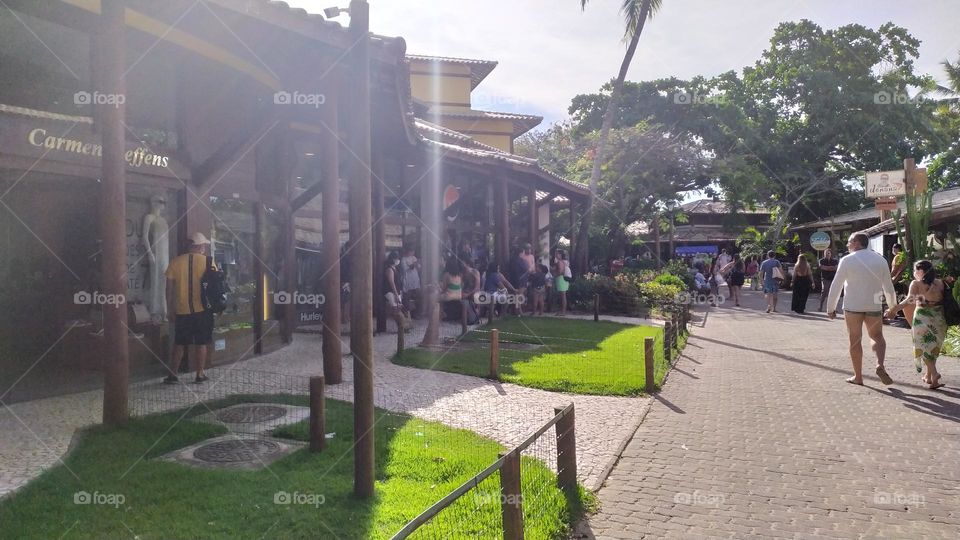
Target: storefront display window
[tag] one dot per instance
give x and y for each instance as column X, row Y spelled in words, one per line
column 233, row 238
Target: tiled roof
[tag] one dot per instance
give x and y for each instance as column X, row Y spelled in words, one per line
column 458, row 144
column 479, row 69
column 522, row 123
column 940, row 198
column 710, row 206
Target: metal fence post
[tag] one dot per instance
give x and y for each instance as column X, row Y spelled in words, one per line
column 511, row 499
column 648, row 372
column 318, row 430
column 567, row 452
column 494, row 354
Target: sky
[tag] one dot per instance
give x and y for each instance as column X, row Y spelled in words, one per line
column 549, row 50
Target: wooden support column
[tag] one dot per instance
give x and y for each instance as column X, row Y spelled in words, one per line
column 289, row 268
column 113, row 212
column 534, row 224
column 330, row 278
column 656, row 241
column 361, row 254
column 430, row 231
column 572, row 234
column 501, row 202
column 379, row 240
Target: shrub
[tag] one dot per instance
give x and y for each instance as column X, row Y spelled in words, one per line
column 670, row 279
column 660, row 295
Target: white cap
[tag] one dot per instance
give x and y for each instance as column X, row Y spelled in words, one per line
column 199, row 239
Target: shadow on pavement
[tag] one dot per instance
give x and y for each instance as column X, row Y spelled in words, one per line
column 668, row 404
column 927, row 403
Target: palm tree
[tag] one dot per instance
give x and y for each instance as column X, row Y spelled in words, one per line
column 635, row 13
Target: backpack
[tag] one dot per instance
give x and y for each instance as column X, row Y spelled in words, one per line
column 951, row 310
column 213, row 288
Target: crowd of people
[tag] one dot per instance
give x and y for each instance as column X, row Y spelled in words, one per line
column 865, row 281
column 471, row 285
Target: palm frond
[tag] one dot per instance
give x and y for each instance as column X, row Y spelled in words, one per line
column 633, row 9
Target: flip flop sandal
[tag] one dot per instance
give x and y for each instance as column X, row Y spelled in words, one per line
column 938, row 385
column 884, row 376
column 852, row 381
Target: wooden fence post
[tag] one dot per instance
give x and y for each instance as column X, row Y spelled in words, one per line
column 511, row 499
column 567, row 452
column 494, row 354
column 463, row 317
column 400, row 342
column 648, row 371
column 667, row 336
column 596, row 307
column 318, row 428
column 675, row 340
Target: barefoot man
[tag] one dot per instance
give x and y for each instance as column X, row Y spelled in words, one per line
column 862, row 275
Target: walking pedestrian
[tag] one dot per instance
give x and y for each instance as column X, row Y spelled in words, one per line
column 862, row 276
column 410, row 270
column 771, row 275
column 828, row 268
column 737, row 272
column 802, row 283
column 929, row 326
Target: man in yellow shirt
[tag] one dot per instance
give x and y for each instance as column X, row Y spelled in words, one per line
column 193, row 323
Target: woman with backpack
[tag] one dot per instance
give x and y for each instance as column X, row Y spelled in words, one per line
column 929, row 323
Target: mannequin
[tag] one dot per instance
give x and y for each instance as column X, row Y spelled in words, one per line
column 156, row 242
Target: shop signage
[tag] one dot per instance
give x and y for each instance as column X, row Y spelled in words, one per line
column 820, row 240
column 886, row 204
column 138, row 157
column 57, row 141
column 885, row 184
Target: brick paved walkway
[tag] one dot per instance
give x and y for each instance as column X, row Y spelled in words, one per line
column 757, row 435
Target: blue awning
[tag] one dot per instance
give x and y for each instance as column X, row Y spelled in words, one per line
column 693, row 250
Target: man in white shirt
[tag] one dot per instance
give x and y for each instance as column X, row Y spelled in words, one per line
column 864, row 277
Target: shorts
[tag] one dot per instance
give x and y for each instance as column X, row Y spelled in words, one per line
column 864, row 313
column 770, row 286
column 193, row 329
column 561, row 284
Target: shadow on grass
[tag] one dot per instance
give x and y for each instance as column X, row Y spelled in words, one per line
column 564, row 355
column 132, row 494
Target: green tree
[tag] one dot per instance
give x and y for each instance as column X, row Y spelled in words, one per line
column 944, row 169
column 636, row 13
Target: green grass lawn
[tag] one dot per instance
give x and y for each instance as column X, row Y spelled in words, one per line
column 569, row 355
column 418, row 462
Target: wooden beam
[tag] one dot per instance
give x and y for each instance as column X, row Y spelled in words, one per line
column 330, row 278
column 236, row 145
column 547, row 200
column 361, row 313
column 302, row 199
column 501, row 199
column 379, row 241
column 113, row 213
column 534, row 218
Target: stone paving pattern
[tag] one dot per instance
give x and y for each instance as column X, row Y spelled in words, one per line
column 757, row 435
column 34, row 435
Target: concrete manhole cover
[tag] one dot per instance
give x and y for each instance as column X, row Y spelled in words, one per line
column 246, row 414
column 237, row 450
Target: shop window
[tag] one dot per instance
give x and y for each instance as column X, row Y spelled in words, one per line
column 233, row 244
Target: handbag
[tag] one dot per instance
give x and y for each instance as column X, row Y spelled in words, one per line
column 951, row 310
column 777, row 273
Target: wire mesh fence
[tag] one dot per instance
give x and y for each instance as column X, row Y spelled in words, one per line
column 529, row 491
